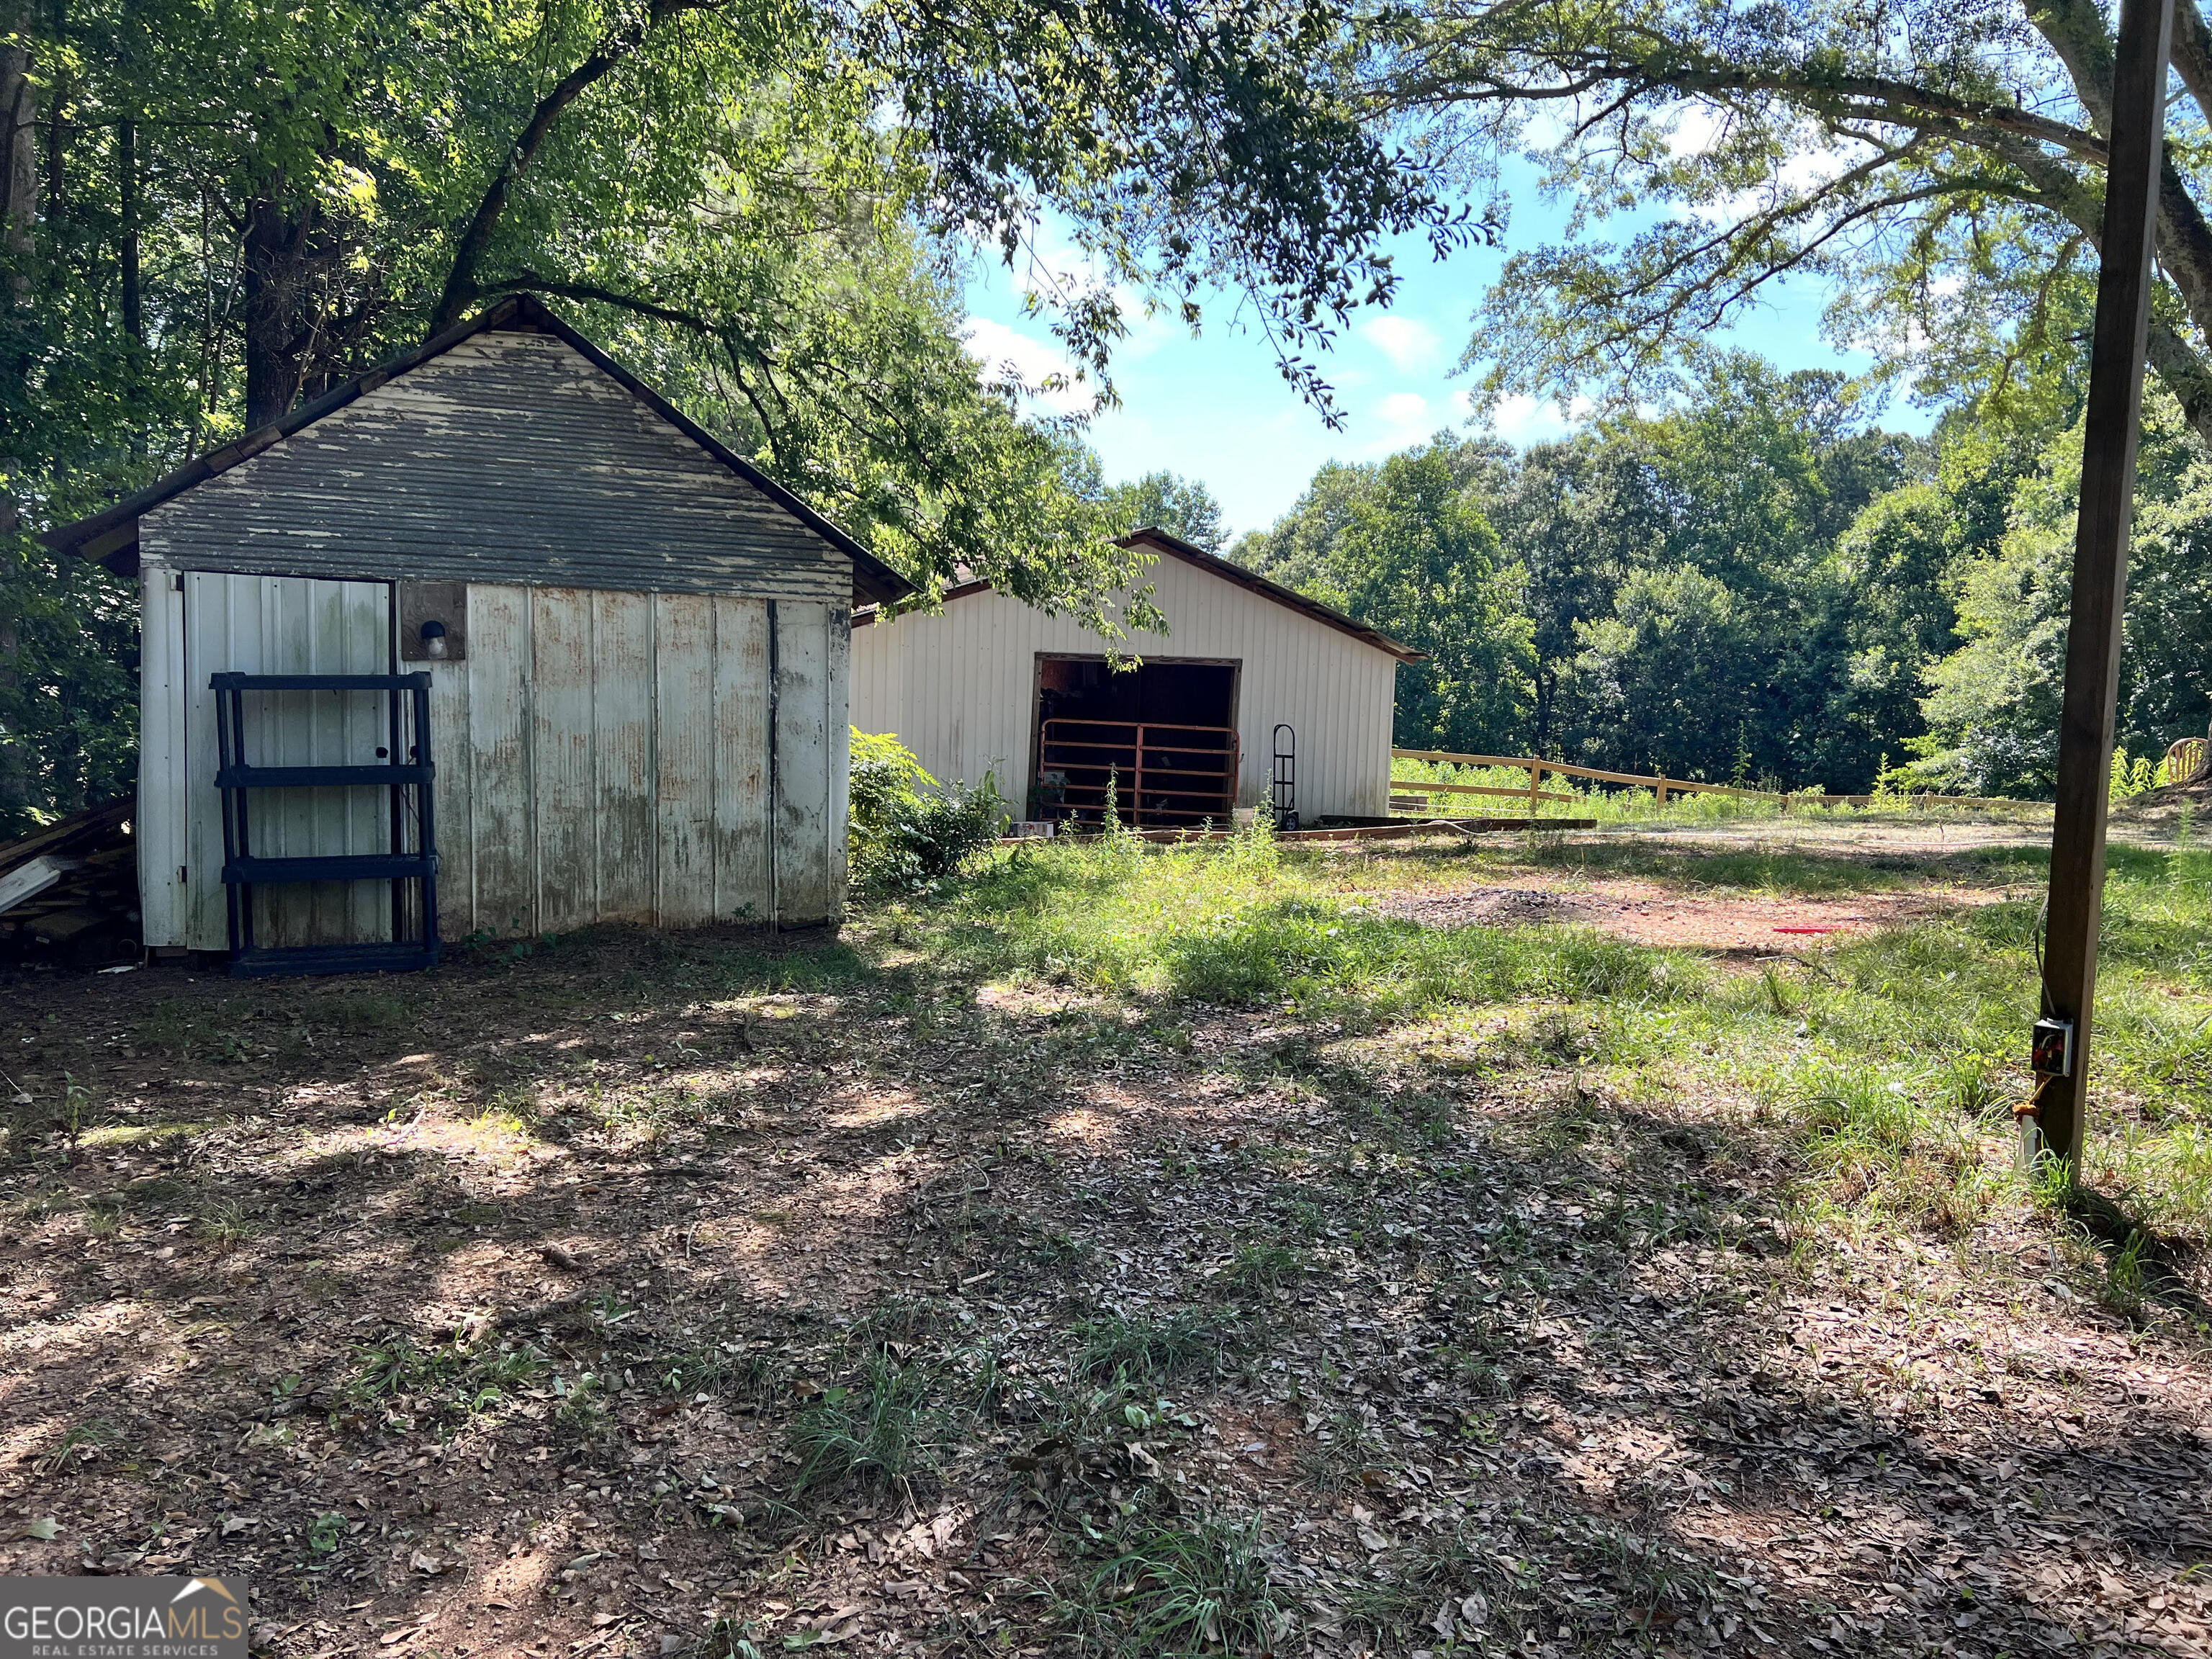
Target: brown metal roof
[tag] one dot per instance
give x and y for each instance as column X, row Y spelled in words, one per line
column 1174, row 548
column 111, row 537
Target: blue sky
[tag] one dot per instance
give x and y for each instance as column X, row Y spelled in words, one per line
column 1215, row 408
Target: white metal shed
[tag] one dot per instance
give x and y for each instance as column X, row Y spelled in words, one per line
column 989, row 684
column 637, row 647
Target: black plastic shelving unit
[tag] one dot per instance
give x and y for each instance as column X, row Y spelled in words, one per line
column 413, row 853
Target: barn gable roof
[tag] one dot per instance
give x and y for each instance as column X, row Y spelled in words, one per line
column 1159, row 540
column 112, row 536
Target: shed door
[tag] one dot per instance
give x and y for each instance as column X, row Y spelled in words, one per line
column 287, row 625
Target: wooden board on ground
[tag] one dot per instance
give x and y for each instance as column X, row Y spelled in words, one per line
column 73, row 883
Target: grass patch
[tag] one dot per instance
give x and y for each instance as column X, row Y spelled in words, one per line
column 404, row 1382
column 1205, row 1585
column 882, row 1429
column 1248, row 923
column 1896, row 1055
column 1154, row 1350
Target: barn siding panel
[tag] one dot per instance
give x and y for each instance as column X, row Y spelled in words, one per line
column 510, row 459
column 622, row 708
column 743, row 879
column 562, row 730
column 802, row 764
column 452, row 793
column 959, row 686
column 683, row 719
column 499, row 859
column 600, row 756
column 160, row 813
column 262, row 625
column 836, row 732
column 321, row 627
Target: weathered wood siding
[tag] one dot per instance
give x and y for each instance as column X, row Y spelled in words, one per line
column 212, row 622
column 667, row 759
column 608, row 757
column 959, row 687
column 510, row 458
column 163, row 774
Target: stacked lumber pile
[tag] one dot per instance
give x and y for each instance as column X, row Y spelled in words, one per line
column 69, row 894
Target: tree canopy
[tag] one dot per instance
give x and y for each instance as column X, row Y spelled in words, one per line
column 215, row 211
column 1941, row 161
column 1760, row 585
column 1184, row 507
column 1750, row 586
column 1404, row 547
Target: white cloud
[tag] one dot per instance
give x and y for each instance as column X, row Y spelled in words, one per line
column 1054, row 270
column 1034, row 360
column 1695, row 130
column 1405, row 421
column 1407, row 342
column 1525, row 421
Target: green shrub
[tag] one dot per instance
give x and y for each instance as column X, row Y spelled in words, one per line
column 906, row 830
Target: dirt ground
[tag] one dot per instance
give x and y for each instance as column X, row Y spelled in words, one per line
column 1752, row 916
column 509, row 1310
column 1657, row 912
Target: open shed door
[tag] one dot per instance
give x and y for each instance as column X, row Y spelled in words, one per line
column 286, row 625
column 1159, row 738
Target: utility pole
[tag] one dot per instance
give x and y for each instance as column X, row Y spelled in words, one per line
column 2136, row 151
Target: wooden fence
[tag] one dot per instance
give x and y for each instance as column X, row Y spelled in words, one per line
column 1408, row 788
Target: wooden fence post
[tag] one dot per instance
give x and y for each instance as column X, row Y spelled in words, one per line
column 2114, row 408
column 1536, row 783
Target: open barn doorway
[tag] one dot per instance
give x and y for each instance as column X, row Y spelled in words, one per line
column 1159, row 737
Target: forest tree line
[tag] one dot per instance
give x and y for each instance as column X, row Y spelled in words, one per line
column 210, row 213
column 1761, row 586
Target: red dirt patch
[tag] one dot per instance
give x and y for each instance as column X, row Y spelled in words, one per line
column 1648, row 913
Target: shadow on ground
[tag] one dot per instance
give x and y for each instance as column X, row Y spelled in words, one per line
column 654, row 1297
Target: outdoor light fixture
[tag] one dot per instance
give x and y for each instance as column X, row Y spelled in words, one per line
column 434, row 620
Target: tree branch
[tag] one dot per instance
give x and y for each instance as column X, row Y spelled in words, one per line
column 614, row 48
column 2192, row 53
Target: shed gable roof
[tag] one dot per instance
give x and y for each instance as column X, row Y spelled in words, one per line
column 509, row 449
column 1160, row 542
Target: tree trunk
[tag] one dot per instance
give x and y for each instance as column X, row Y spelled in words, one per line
column 126, row 168
column 462, row 278
column 19, row 213
column 19, row 156
column 271, row 287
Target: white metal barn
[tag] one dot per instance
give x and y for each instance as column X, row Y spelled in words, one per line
column 988, row 685
column 633, row 649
